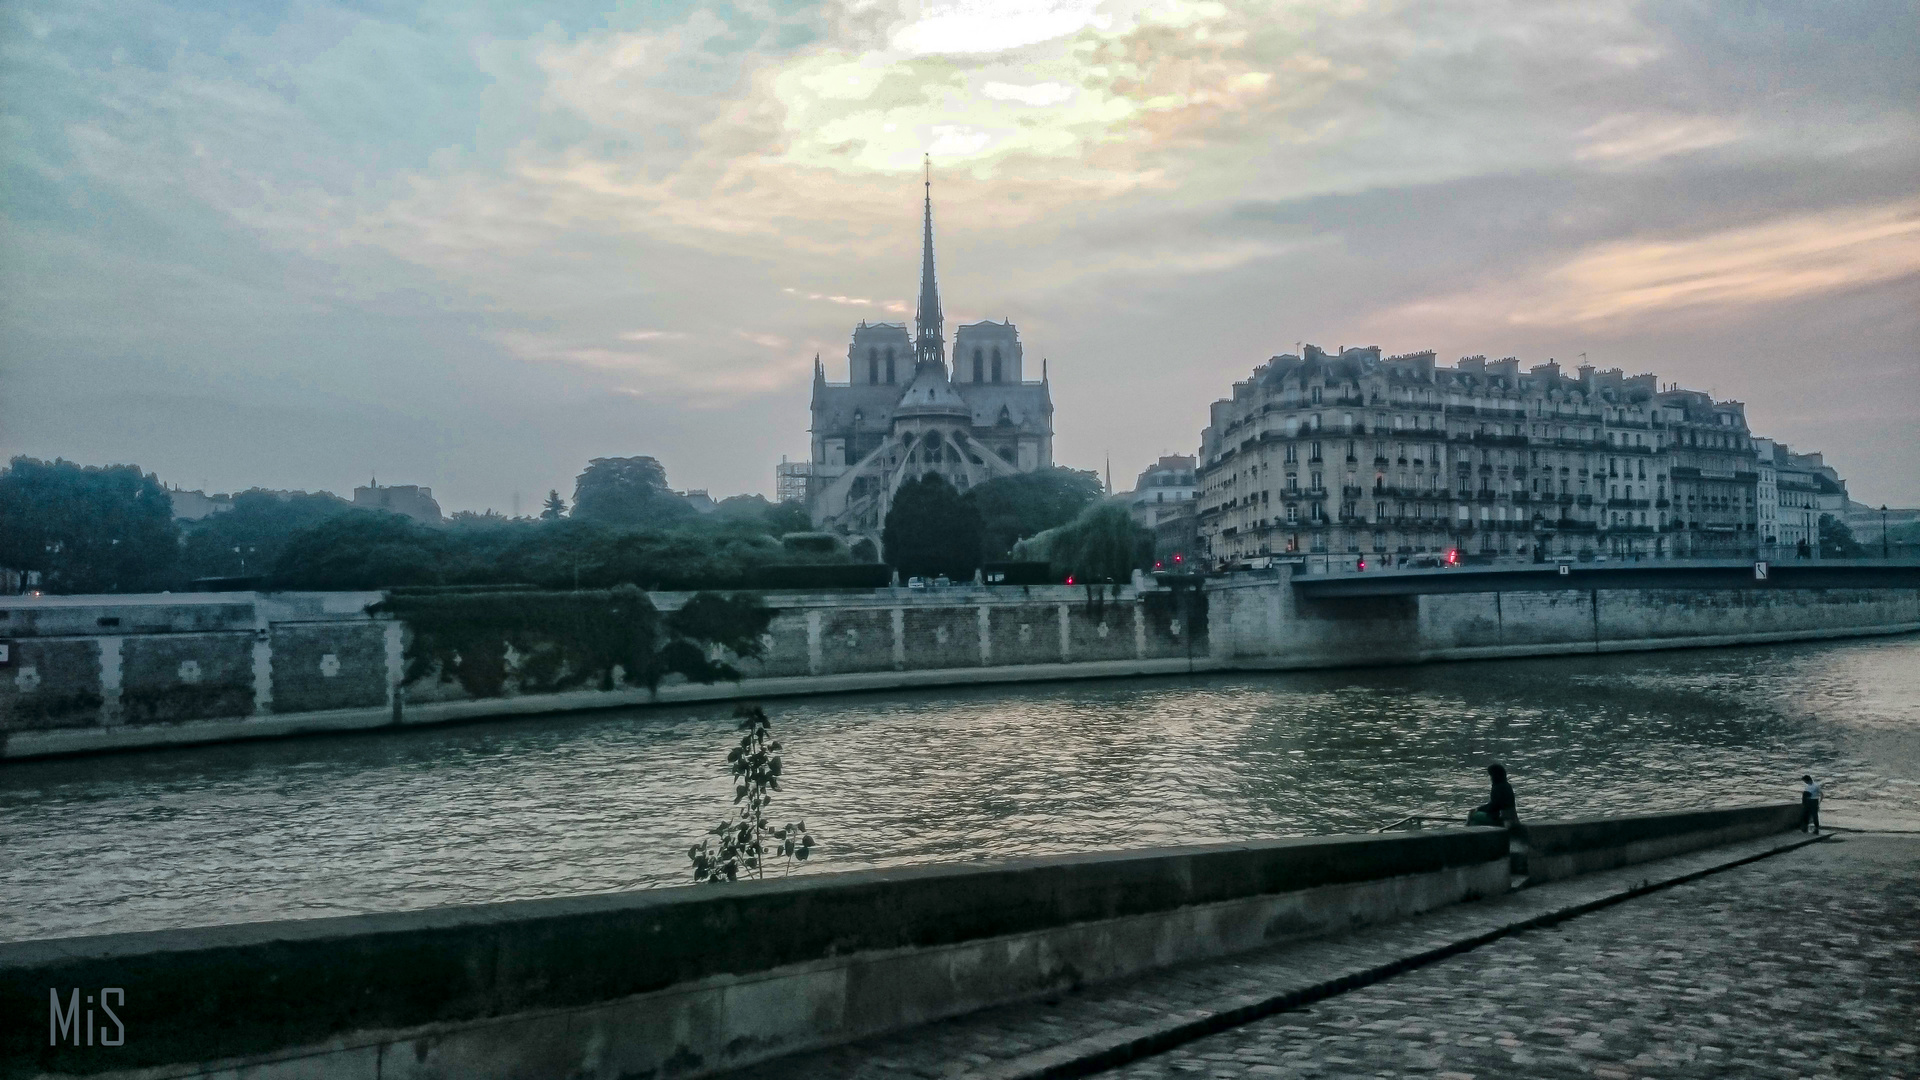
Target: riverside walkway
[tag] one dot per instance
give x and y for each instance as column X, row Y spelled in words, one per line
column 1776, row 958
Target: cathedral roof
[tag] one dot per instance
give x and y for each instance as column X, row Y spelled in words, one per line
column 930, row 394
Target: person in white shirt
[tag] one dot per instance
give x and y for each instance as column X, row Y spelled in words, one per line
column 1810, row 805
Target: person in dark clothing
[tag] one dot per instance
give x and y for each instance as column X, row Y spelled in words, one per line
column 1499, row 808
column 1810, row 805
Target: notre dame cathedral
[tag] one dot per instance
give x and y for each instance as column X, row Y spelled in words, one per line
column 902, row 413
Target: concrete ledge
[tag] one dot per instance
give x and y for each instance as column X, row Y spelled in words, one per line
column 691, row 980
column 1524, row 650
column 61, row 742
column 1563, row 849
column 25, row 745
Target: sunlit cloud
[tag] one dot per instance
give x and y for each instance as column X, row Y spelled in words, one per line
column 849, row 301
column 1037, row 96
column 991, row 26
column 1636, row 140
column 704, row 375
column 1710, row 274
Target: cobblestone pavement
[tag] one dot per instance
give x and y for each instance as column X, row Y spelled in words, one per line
column 1012, row 1039
column 1806, row 964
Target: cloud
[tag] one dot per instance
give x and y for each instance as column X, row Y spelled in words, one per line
column 1636, row 140
column 992, row 26
column 703, row 373
column 1038, row 96
column 564, row 211
column 1747, row 267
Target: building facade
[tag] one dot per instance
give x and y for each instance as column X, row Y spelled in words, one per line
column 407, row 500
column 1162, row 501
column 902, row 414
column 1348, row 456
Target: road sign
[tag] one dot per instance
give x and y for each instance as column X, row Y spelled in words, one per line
column 1760, row 570
column 6, row 653
column 1565, row 569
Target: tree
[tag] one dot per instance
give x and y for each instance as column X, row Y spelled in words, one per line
column 777, row 519
column 554, row 508
column 87, row 528
column 364, row 549
column 249, row 538
column 1836, row 540
column 1103, row 544
column 931, row 530
column 627, row 491
column 1013, row 508
column 553, row 641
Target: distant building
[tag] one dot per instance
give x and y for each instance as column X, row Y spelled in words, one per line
column 1766, row 494
column 902, row 414
column 198, row 505
column 407, row 500
column 790, row 480
column 1162, row 502
column 1713, row 469
column 1169, row 480
column 1348, row 456
column 699, row 499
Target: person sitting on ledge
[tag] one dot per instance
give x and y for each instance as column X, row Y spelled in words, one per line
column 1499, row 809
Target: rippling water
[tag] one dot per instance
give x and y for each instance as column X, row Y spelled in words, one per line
column 549, row 807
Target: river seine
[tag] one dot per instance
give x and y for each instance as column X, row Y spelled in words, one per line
column 608, row 801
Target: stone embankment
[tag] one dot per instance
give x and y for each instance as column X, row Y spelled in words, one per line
column 694, row 981
column 91, row 674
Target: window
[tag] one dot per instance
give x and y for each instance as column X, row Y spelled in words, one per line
column 1316, row 401
column 1293, row 481
column 977, row 366
column 1315, row 481
column 1293, row 514
column 890, row 372
column 873, row 364
column 996, row 364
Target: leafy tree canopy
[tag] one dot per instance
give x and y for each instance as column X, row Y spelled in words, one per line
column 554, row 508
column 777, row 519
column 627, row 491
column 931, row 530
column 86, row 528
column 1013, row 508
column 365, row 549
column 1837, row 541
column 259, row 526
column 563, row 640
column 1103, row 544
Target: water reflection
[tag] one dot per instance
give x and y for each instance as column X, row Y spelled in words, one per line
column 550, row 807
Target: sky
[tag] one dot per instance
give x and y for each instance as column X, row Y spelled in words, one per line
column 472, row 245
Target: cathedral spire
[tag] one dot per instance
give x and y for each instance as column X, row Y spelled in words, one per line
column 929, row 343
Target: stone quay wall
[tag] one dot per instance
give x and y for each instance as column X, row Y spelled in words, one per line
column 103, row 673
column 691, row 981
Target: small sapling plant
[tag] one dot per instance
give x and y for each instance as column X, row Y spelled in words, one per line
column 738, row 845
